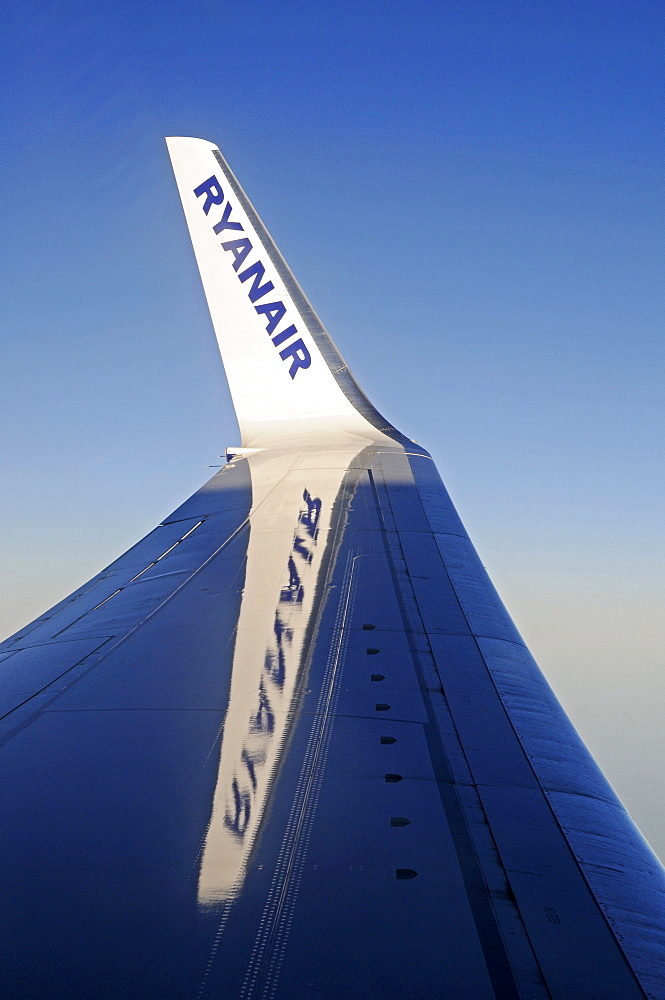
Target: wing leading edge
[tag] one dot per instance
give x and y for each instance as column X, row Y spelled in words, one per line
column 291, row 744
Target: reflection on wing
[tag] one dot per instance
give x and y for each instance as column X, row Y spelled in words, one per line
column 289, row 534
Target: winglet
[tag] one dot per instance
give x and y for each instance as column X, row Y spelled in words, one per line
column 285, row 374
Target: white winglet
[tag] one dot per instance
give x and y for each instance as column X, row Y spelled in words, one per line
column 287, row 379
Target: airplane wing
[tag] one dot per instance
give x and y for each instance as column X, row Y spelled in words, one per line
column 291, row 744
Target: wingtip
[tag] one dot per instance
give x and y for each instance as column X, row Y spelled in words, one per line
column 173, row 140
column 269, row 402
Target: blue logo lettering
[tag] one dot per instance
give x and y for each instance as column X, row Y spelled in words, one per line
column 275, row 312
column 212, row 189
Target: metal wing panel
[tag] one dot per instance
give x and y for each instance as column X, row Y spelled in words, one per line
column 626, row 879
column 304, row 772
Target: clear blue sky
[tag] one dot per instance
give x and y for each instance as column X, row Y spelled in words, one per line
column 471, row 195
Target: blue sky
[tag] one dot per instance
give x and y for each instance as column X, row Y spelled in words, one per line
column 471, row 195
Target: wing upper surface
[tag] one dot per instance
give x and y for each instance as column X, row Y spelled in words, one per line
column 325, row 738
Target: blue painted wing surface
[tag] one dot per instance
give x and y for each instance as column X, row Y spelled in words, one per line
column 292, row 745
